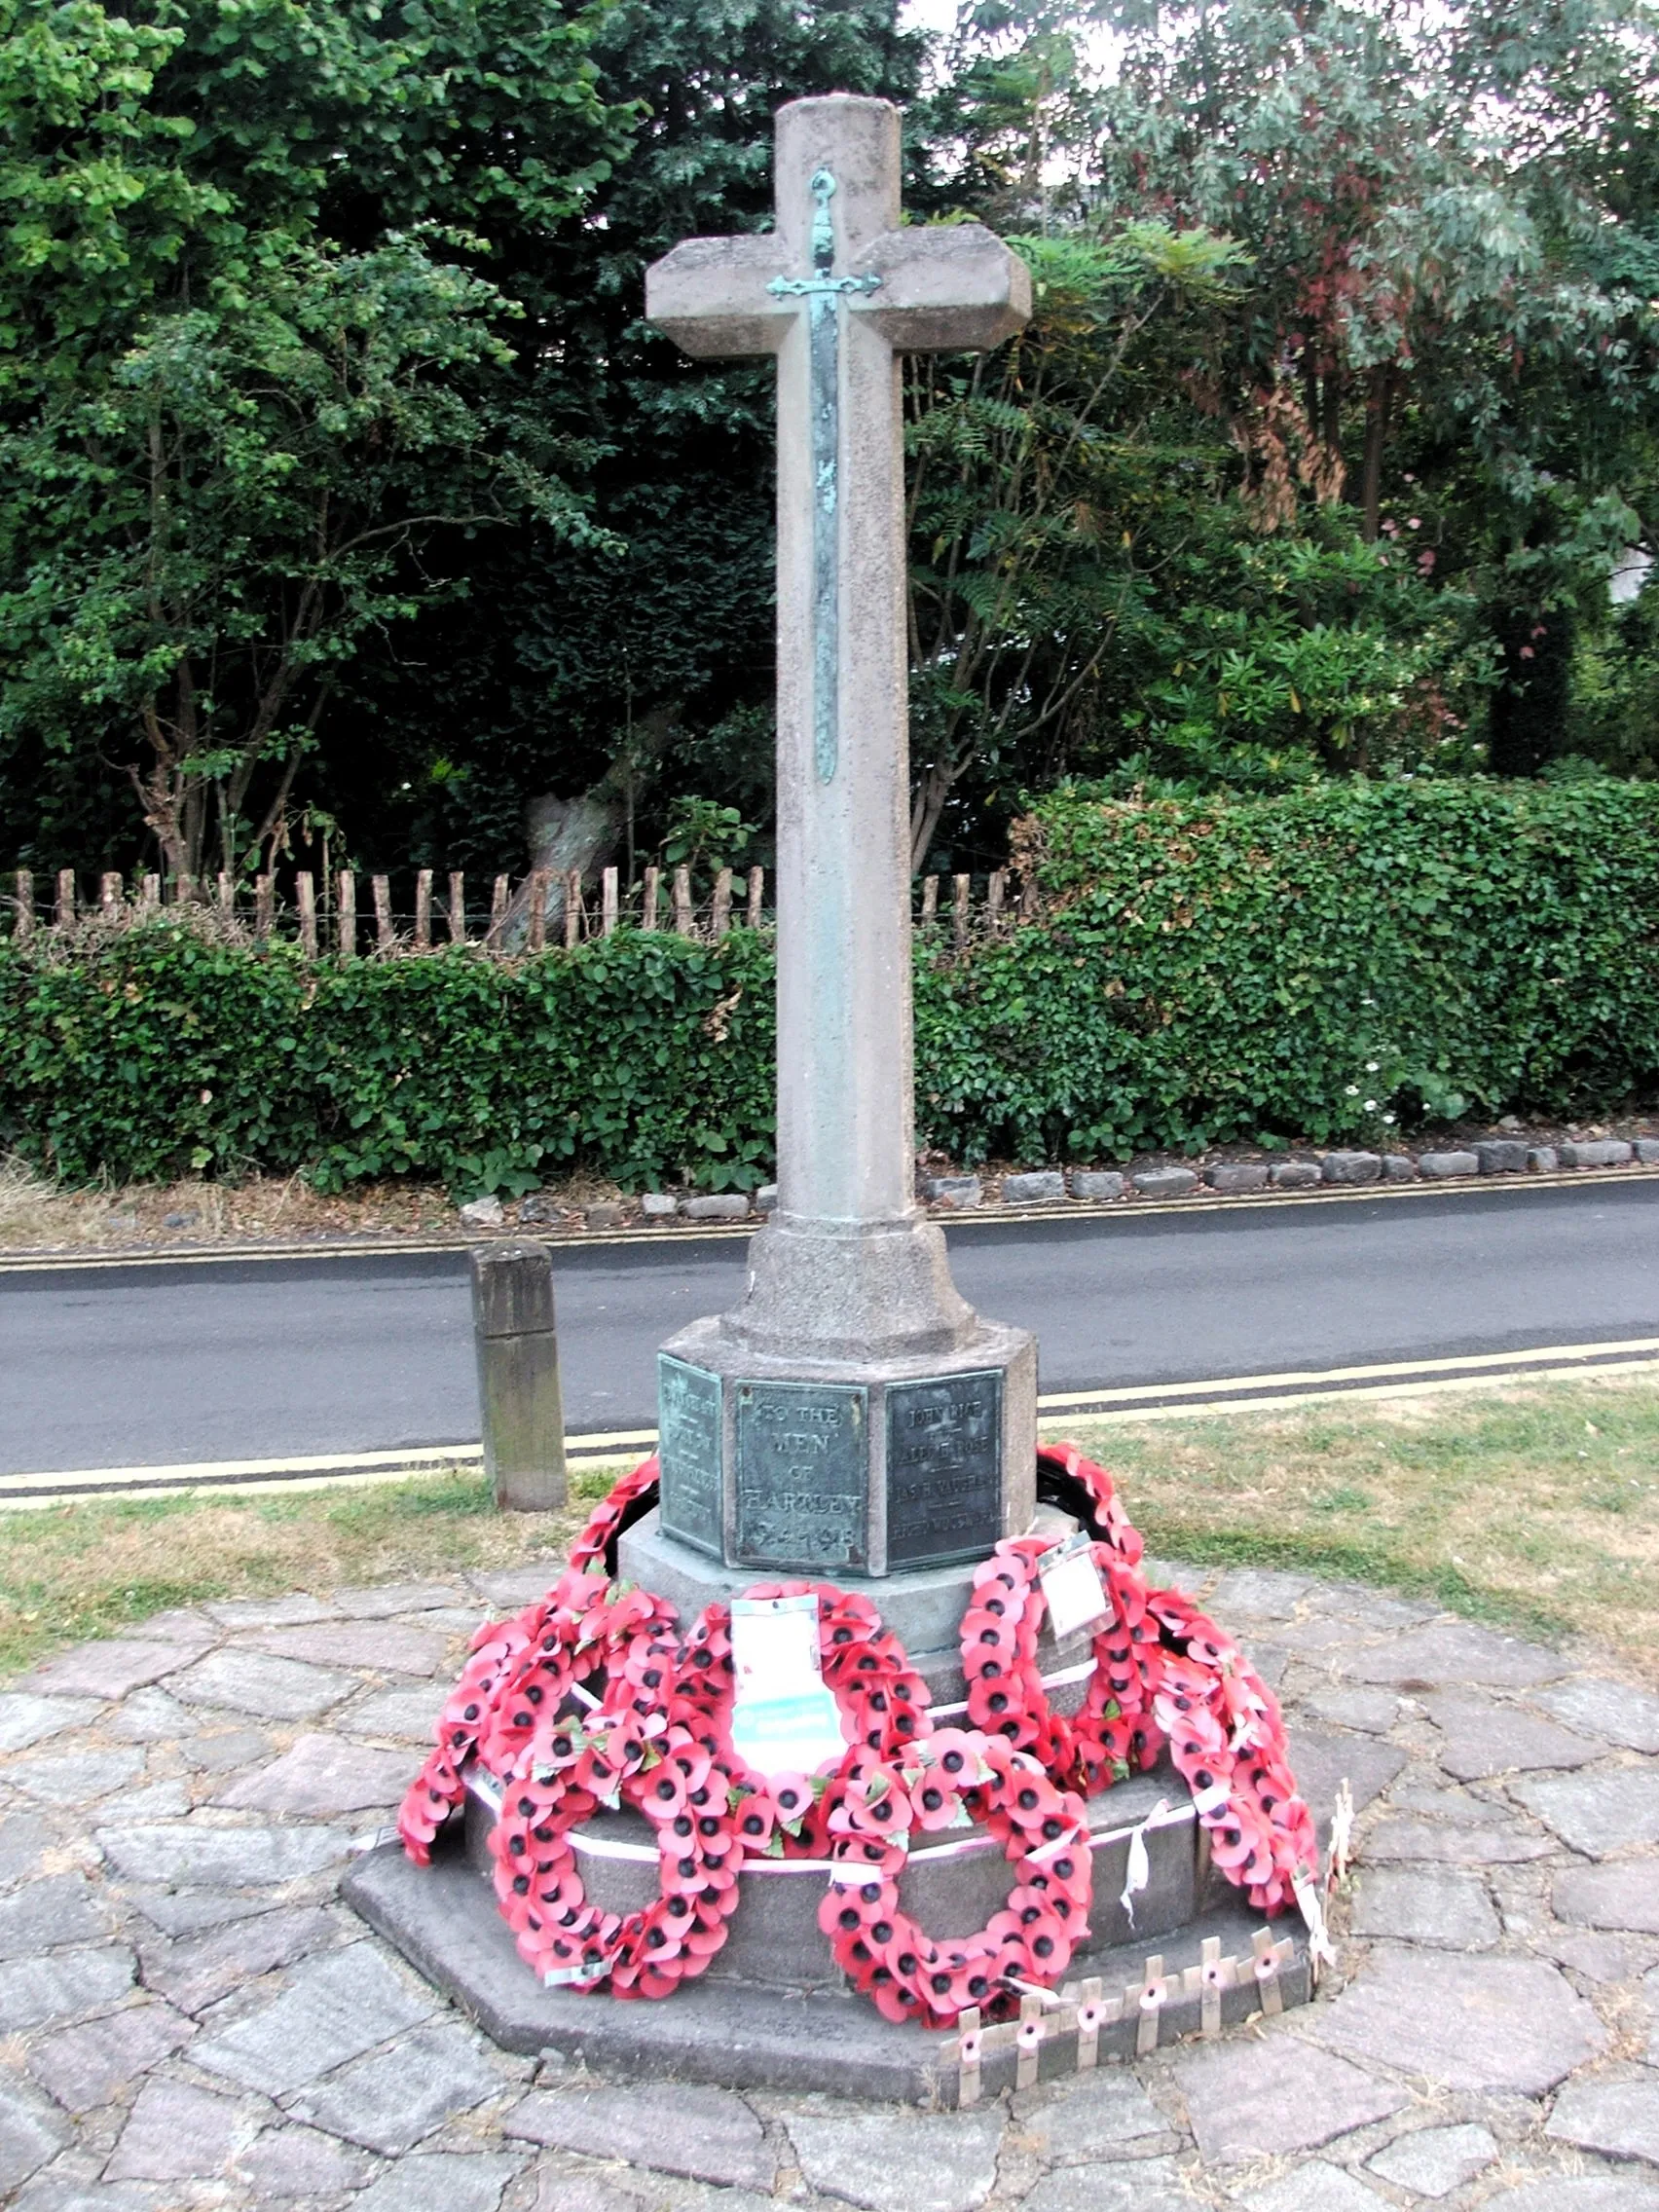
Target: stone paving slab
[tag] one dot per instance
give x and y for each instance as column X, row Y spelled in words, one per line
column 191, row 2020
column 704, row 2133
column 1264, row 2097
column 1499, row 2025
column 1433, row 2161
column 323, row 1775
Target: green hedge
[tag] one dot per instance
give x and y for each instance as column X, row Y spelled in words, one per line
column 1266, row 968
column 1303, row 965
column 158, row 1051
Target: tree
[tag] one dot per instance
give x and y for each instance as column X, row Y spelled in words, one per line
column 251, row 364
column 613, row 675
column 1022, row 491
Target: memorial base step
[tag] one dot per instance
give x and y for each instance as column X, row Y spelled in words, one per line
column 951, row 1886
column 745, row 2035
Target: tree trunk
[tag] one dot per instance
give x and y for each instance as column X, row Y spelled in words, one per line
column 925, row 813
column 1379, row 400
column 1331, row 434
column 585, row 831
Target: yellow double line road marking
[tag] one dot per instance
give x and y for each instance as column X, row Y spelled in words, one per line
column 1392, row 1379
column 1058, row 1411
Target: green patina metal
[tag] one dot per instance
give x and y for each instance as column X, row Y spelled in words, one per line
column 824, row 293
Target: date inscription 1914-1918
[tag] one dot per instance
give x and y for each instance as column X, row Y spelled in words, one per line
column 943, row 1468
column 688, row 1450
column 803, row 1473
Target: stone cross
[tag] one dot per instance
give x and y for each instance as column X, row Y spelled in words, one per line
column 853, row 1414
column 837, row 291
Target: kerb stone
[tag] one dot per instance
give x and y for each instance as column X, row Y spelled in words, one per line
column 1045, row 1187
column 1296, row 1175
column 1165, row 1182
column 1442, row 1166
column 1096, row 1182
column 1501, row 1156
column 1351, row 1166
column 1230, row 1176
column 959, row 1192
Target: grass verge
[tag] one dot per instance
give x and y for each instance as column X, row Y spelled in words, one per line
column 72, row 1571
column 1535, row 1508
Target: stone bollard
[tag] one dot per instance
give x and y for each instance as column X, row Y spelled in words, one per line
column 518, row 1376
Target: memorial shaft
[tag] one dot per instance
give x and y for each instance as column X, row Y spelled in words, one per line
column 849, row 1289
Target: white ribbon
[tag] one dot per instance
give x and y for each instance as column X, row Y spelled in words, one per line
column 1313, row 1913
column 1139, row 1870
column 1067, row 1675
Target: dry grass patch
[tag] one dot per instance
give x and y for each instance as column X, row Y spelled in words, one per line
column 37, row 1214
column 74, row 1571
column 1536, row 1507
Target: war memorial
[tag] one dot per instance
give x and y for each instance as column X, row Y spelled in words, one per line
column 873, row 1671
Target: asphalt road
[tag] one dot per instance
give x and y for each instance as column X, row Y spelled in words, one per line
column 186, row 1363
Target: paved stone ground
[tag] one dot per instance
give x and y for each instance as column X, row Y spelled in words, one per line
column 189, row 2017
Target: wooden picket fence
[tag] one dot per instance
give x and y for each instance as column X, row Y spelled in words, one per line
column 542, row 907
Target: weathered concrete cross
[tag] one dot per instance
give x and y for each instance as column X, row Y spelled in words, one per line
column 837, row 291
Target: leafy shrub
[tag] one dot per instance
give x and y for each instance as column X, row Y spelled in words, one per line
column 158, row 1050
column 1331, row 964
column 1328, row 964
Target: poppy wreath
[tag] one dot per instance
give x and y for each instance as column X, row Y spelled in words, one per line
column 590, row 1698
column 517, row 1671
column 1163, row 1674
column 948, row 1779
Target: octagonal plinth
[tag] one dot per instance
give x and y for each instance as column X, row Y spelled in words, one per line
column 750, row 2035
column 846, row 1469
column 951, row 1885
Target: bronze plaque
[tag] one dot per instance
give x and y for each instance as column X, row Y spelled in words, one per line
column 944, row 1469
column 803, row 1476
column 688, row 1449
